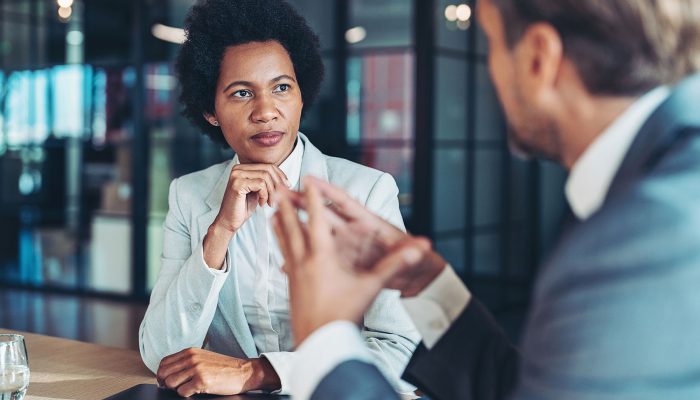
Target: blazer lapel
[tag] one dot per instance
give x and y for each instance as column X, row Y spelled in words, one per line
column 664, row 127
column 230, row 304
column 313, row 162
column 213, row 202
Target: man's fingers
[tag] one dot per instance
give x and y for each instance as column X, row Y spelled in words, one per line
column 297, row 199
column 351, row 210
column 334, row 220
column 282, row 176
column 284, row 246
column 340, row 201
column 402, row 258
column 290, row 227
column 319, row 229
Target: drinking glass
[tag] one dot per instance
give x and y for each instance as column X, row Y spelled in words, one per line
column 14, row 367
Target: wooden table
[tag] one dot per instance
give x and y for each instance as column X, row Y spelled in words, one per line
column 67, row 369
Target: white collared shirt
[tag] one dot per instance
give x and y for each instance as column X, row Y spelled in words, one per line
column 440, row 303
column 593, row 172
column 262, row 284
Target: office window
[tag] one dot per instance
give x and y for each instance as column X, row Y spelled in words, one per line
column 90, row 135
column 377, row 24
column 380, row 90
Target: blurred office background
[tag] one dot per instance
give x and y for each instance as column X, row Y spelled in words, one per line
column 91, row 136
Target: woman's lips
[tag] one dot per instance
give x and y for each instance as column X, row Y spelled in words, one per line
column 267, row 138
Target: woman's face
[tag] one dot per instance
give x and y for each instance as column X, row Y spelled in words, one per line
column 258, row 102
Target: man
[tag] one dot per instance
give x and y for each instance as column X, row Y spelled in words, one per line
column 606, row 88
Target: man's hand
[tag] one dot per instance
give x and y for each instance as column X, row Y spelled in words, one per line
column 249, row 186
column 365, row 239
column 324, row 286
column 193, row 371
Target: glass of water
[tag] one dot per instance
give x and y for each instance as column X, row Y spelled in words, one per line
column 14, row 367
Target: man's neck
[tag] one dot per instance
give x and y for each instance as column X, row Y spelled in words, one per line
column 585, row 121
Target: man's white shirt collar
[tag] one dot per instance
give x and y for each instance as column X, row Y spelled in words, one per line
column 592, row 174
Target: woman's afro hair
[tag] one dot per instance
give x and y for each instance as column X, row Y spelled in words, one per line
column 211, row 26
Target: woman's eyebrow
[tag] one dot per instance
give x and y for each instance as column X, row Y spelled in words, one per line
column 250, row 84
column 236, row 83
column 279, row 78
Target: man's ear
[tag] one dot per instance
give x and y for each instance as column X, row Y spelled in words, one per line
column 539, row 55
column 211, row 119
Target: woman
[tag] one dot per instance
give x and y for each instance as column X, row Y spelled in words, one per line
column 218, row 320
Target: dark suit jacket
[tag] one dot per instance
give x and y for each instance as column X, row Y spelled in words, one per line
column 615, row 311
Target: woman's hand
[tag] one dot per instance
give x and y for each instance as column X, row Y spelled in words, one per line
column 193, row 371
column 249, row 186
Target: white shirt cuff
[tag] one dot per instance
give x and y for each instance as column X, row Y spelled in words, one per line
column 320, row 353
column 435, row 308
column 283, row 363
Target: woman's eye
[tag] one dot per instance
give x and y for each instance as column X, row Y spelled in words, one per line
column 242, row 93
column 282, row 88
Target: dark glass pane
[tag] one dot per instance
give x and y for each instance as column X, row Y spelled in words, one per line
column 319, row 15
column 452, row 249
column 520, row 250
column 487, row 254
column 449, row 201
column 450, row 99
column 521, row 189
column 490, row 123
column 488, row 181
column 380, row 23
column 380, row 98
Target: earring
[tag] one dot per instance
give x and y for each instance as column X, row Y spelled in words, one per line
column 216, row 123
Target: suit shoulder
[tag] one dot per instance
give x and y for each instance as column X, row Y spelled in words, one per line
column 349, row 174
column 648, row 228
column 194, row 187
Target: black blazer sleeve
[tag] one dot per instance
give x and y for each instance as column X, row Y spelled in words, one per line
column 354, row 380
column 474, row 360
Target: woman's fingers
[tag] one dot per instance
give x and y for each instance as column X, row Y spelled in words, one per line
column 270, row 179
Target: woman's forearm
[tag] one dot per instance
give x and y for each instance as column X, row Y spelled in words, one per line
column 215, row 245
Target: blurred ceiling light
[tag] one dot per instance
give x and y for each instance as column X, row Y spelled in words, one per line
column 64, row 3
column 451, row 13
column 463, row 25
column 169, row 33
column 355, row 35
column 65, row 12
column 464, row 12
column 74, row 38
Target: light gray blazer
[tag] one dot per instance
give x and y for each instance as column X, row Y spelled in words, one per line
column 191, row 302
